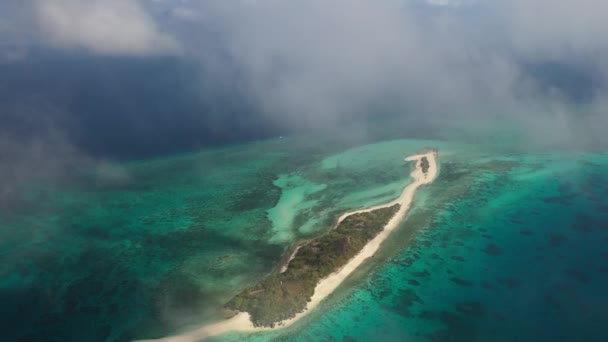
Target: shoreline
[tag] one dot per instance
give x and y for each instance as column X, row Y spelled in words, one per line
column 292, row 255
column 242, row 322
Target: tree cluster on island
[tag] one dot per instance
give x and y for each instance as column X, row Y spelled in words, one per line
column 281, row 296
column 424, row 164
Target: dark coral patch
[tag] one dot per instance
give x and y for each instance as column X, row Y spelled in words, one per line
column 577, row 275
column 103, row 333
column 461, row 282
column 413, row 282
column 510, row 283
column 493, row 249
column 455, row 324
column 407, row 297
column 516, row 221
column 470, row 308
column 564, row 200
column 428, row 315
column 583, row 223
column 552, row 301
column 402, row 302
column 487, row 285
column 424, row 273
column 500, row 317
column 557, row 239
column 407, row 262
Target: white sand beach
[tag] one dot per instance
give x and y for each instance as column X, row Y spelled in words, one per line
column 241, row 322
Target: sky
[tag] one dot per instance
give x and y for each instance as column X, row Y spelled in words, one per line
column 84, row 82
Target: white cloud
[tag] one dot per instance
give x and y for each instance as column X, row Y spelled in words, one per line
column 314, row 61
column 555, row 29
column 185, row 13
column 113, row 27
column 318, row 61
column 454, row 3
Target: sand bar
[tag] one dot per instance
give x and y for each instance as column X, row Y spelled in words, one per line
column 242, row 323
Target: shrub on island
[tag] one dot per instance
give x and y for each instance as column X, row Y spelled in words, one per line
column 424, row 164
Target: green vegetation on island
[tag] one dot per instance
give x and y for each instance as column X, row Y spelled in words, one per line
column 282, row 295
column 424, row 164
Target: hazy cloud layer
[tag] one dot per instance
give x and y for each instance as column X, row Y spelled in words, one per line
column 103, row 26
column 319, row 60
column 308, row 64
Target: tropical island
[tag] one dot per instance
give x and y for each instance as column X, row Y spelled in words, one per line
column 317, row 267
column 282, row 295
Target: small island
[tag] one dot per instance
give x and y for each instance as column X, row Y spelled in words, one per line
column 282, row 295
column 315, row 268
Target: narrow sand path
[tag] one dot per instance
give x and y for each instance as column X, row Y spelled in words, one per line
column 241, row 322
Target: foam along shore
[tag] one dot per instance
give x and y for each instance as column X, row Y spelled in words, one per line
column 242, row 322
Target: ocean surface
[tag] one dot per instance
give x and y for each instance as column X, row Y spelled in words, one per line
column 508, row 244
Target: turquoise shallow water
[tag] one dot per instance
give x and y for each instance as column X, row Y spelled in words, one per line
column 516, row 252
column 503, row 246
